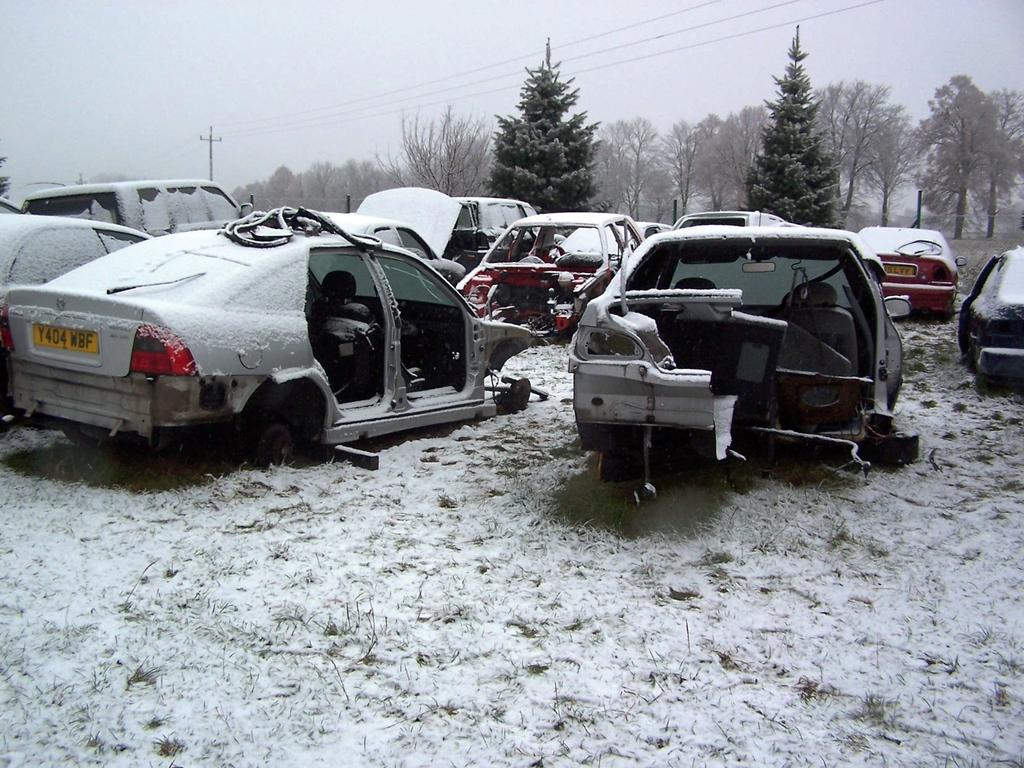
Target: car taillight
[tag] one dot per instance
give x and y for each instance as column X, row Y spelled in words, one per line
column 157, row 351
column 940, row 275
column 6, row 339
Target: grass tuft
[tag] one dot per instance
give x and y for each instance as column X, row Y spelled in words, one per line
column 168, row 746
column 143, row 676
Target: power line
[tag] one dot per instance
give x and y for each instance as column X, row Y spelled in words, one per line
column 290, row 122
column 474, row 71
column 335, row 121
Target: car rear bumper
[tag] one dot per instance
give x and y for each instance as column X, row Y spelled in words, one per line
column 926, row 298
column 130, row 404
column 636, row 392
column 1000, row 364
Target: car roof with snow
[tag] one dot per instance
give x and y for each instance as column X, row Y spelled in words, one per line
column 361, row 223
column 1011, row 287
column 720, row 232
column 200, row 268
column 117, row 186
column 570, row 219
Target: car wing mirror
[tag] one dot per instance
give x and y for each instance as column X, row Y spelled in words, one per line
column 961, row 261
column 897, row 306
column 245, row 209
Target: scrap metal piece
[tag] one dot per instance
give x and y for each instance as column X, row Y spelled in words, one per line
column 363, row 459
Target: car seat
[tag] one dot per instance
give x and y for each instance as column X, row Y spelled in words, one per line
column 813, row 308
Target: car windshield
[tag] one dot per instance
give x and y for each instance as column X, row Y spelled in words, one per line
column 766, row 273
column 549, row 243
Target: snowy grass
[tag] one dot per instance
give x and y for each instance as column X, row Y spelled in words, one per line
column 483, row 599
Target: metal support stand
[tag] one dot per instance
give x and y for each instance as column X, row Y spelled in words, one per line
column 647, row 491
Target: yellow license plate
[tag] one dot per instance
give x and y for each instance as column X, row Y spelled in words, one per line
column 904, row 270
column 67, row 339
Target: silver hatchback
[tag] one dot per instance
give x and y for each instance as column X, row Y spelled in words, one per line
column 309, row 335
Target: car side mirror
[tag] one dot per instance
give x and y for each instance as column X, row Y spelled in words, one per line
column 961, row 261
column 897, row 306
column 244, row 209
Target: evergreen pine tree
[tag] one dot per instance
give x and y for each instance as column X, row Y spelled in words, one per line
column 793, row 175
column 545, row 156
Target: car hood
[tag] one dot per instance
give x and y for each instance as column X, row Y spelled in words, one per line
column 433, row 214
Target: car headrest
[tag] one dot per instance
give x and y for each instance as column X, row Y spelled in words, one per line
column 339, row 286
column 695, row 284
column 814, row 295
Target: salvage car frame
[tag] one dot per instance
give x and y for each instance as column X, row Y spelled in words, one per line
column 709, row 330
column 198, row 329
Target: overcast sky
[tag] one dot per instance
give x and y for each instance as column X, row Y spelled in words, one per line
column 94, row 88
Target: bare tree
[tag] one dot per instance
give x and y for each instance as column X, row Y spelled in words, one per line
column 318, row 186
column 895, row 156
column 681, row 147
column 628, row 163
column 727, row 152
column 450, row 155
column 710, row 181
column 956, row 133
column 1003, row 155
column 850, row 116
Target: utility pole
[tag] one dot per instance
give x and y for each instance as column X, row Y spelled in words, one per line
column 210, row 139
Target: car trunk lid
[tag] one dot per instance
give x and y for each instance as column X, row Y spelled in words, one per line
column 75, row 332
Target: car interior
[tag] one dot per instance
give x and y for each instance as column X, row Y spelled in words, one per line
column 809, row 366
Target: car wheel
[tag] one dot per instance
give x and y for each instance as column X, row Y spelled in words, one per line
column 274, row 444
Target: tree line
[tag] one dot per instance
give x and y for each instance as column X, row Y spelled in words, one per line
column 847, row 145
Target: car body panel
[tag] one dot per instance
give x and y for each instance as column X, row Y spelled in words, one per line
column 991, row 325
column 531, row 277
column 244, row 315
column 927, row 274
column 667, row 345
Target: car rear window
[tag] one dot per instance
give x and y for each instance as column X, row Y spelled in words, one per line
column 101, row 206
column 51, row 253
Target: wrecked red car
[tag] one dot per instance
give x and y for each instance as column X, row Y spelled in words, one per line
column 542, row 272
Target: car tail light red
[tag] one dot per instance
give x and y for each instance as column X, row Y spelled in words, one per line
column 157, row 351
column 940, row 274
column 6, row 338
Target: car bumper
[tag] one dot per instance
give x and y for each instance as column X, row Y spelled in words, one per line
column 1003, row 365
column 637, row 393
column 924, row 298
column 127, row 404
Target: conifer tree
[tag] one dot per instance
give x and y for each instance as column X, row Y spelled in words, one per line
column 544, row 155
column 793, row 176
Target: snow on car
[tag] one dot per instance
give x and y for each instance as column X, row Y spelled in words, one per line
column 158, row 207
column 919, row 264
column 991, row 327
column 401, row 235
column 730, row 218
column 35, row 249
column 544, row 269
column 710, row 330
column 283, row 326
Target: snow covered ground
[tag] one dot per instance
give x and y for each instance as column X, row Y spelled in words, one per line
column 453, row 607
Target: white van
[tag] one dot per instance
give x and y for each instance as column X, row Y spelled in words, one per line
column 156, row 207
